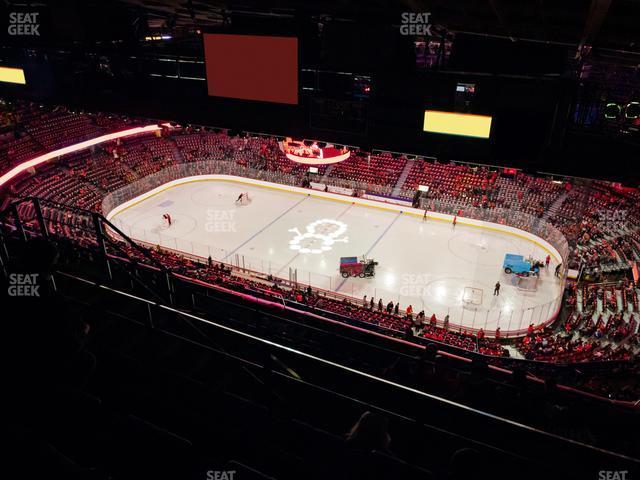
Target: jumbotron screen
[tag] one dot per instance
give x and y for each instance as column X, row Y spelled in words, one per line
column 252, row 67
column 478, row 126
column 12, row 75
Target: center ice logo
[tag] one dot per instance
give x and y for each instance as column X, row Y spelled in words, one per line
column 326, row 231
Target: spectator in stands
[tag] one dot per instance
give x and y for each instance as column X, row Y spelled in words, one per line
column 498, row 333
column 480, row 334
column 446, row 322
column 396, row 309
column 409, row 333
column 364, row 302
column 371, row 303
column 389, row 307
column 380, row 305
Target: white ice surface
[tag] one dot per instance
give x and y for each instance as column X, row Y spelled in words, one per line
column 425, row 264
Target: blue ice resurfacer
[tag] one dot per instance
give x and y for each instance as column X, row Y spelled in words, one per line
column 516, row 264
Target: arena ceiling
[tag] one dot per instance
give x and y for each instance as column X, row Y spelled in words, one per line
column 605, row 24
column 610, row 24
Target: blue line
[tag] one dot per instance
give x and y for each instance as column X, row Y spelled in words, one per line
column 383, row 233
column 344, row 211
column 265, row 227
column 373, row 246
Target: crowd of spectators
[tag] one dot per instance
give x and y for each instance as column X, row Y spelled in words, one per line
column 601, row 325
column 371, row 313
column 28, row 129
column 602, row 225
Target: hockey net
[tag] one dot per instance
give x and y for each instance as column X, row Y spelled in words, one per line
column 244, row 200
column 472, row 296
column 527, row 284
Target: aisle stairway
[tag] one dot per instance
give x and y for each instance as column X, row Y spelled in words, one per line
column 403, row 177
column 555, row 207
column 176, row 152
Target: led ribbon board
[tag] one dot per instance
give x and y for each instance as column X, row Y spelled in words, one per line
column 34, row 162
column 478, row 126
column 12, row 75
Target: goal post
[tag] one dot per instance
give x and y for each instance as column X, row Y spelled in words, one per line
column 472, row 296
column 527, row 283
column 245, row 199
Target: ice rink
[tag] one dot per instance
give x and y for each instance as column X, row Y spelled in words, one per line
column 430, row 264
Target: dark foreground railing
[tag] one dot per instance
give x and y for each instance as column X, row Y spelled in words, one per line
column 299, row 371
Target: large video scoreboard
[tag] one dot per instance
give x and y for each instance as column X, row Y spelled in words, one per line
column 252, row 67
column 465, row 124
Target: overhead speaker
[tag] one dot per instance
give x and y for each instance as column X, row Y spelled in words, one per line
column 632, row 110
column 612, row 111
